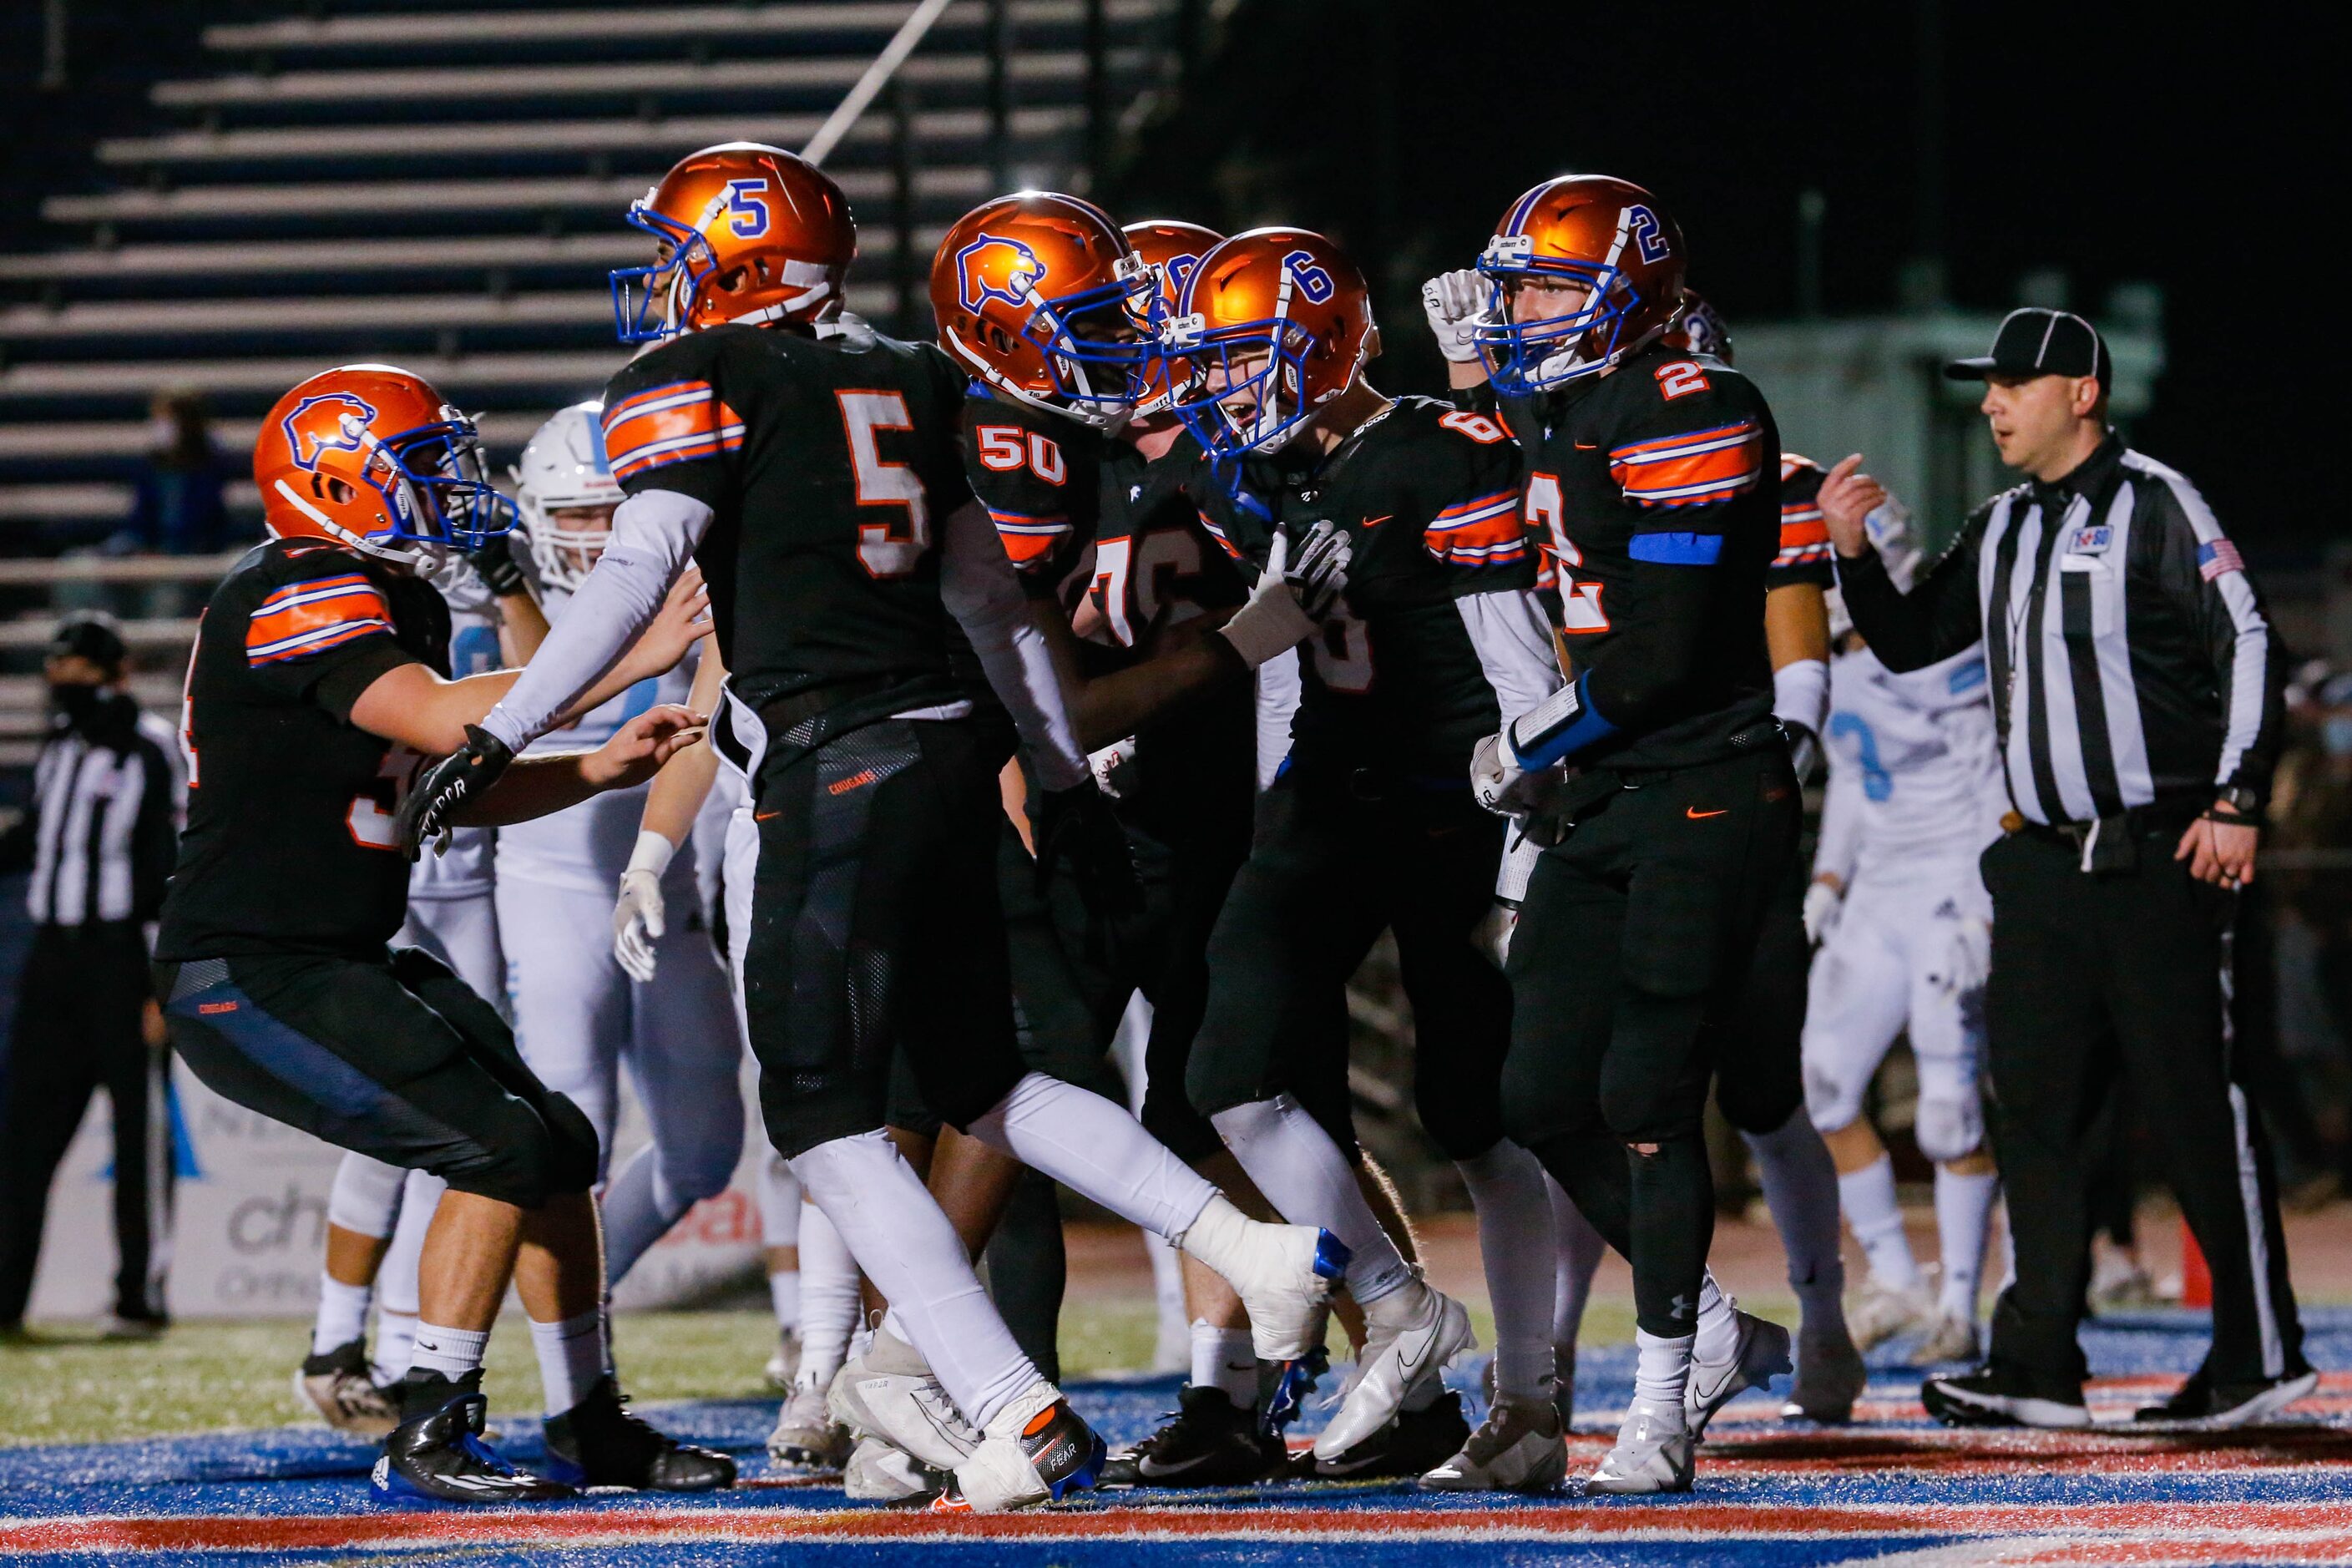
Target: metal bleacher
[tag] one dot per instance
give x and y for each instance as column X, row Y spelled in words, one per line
column 441, row 186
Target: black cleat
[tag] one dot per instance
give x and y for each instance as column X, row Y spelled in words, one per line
column 1416, row 1443
column 597, row 1443
column 1994, row 1395
column 440, row 1456
column 2208, row 1403
column 1209, row 1443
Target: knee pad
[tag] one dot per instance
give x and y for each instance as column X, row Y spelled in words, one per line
column 1463, row 1120
column 704, row 1170
column 1950, row 1127
column 365, row 1198
column 1830, row 1102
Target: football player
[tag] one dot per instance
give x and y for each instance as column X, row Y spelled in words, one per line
column 577, row 1015
column 810, row 465
column 377, row 1215
column 1905, row 927
column 1653, row 484
column 316, row 683
column 1758, row 1081
column 1437, row 634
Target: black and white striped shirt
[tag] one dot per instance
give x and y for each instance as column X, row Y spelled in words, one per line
column 2131, row 662
column 103, row 826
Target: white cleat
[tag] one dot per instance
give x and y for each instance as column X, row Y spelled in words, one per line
column 1953, row 1338
column 1283, row 1273
column 1653, row 1454
column 889, row 1392
column 1411, row 1360
column 1829, row 1377
column 1036, row 1450
column 1878, row 1311
column 806, row 1437
column 1520, row 1447
column 877, row 1472
column 1759, row 1354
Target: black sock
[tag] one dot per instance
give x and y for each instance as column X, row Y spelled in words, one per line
column 1594, row 1174
column 1673, row 1222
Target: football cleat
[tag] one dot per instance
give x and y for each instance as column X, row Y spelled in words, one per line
column 889, row 1392
column 1759, row 1354
column 1399, row 1371
column 2209, row 1405
column 1416, row 1443
column 1292, row 1381
column 1653, row 1454
column 1993, row 1395
column 338, row 1387
column 1563, row 1382
column 1878, row 1311
column 806, row 1437
column 1024, row 1460
column 785, row 1364
column 598, row 1443
column 1951, row 1338
column 1208, row 1442
column 440, row 1456
column 1520, row 1447
column 1829, row 1377
column 877, row 1472
column 1283, row 1273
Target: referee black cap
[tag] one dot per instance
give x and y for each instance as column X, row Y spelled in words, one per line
column 93, row 635
column 2036, row 340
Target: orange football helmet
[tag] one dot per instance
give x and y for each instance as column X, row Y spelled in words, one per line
column 1699, row 328
column 750, row 234
column 1608, row 236
column 370, row 456
column 1274, row 323
column 1172, row 248
column 1040, row 295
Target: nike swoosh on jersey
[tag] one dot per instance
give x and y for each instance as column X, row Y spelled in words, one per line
column 1694, row 814
column 1376, row 522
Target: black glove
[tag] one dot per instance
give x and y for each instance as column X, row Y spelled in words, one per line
column 1076, row 829
column 440, row 790
column 496, row 564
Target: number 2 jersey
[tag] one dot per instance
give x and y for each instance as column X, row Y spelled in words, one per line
column 1116, row 538
column 289, row 846
column 1411, row 670
column 828, row 463
column 1654, row 490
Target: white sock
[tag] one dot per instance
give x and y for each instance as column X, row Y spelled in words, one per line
column 1308, row 1181
column 784, row 1296
column 1868, row 1197
column 831, row 1301
column 396, row 1345
column 1963, row 1205
column 1097, row 1151
column 1515, row 1222
column 638, row 1208
column 898, row 1237
column 571, row 1358
column 1172, row 1334
column 1661, row 1369
column 1717, row 1336
column 342, row 1313
column 364, row 1197
column 1801, row 1187
column 1577, row 1249
column 452, row 1352
column 1223, row 1359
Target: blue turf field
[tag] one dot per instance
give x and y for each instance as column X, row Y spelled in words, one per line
column 1892, row 1487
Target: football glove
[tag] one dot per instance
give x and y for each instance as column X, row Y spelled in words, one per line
column 639, row 916
column 1319, row 575
column 1456, row 304
column 1114, row 768
column 495, row 565
column 1822, row 902
column 1079, row 835
column 1290, row 597
column 1501, row 785
column 442, row 789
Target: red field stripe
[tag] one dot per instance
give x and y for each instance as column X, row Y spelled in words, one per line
column 2293, row 1530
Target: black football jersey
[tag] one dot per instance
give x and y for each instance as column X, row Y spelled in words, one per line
column 1805, row 538
column 830, row 464
column 1428, row 495
column 290, row 843
column 1656, row 492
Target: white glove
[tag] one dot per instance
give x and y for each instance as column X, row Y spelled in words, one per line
column 1289, row 599
column 1456, row 304
column 1822, row 902
column 638, row 917
column 1113, row 768
column 1502, row 786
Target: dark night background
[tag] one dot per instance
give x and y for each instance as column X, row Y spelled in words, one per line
column 2114, row 143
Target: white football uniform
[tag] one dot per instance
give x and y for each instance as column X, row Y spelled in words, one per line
column 1915, row 795
column 450, row 911
column 578, row 1017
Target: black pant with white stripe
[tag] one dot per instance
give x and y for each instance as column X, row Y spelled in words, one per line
column 2103, row 978
column 77, row 1028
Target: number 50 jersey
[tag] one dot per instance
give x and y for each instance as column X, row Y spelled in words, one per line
column 831, row 464
column 290, row 844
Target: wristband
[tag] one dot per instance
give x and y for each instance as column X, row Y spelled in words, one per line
column 652, row 853
column 1562, row 725
column 1801, row 693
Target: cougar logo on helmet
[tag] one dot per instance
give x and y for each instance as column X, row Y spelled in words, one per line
column 316, row 425
column 990, row 258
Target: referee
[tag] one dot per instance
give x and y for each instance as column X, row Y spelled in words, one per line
column 2137, row 687
column 100, row 839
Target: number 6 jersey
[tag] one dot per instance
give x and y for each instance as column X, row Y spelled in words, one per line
column 289, row 845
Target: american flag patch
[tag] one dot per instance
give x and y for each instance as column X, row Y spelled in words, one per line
column 2217, row 556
